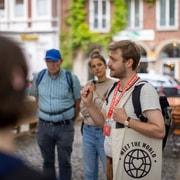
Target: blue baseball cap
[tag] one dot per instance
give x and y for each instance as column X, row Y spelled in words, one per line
column 53, row 54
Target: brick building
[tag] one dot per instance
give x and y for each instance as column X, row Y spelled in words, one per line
column 154, row 26
column 37, row 24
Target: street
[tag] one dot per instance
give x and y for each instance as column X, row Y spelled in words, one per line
column 29, row 151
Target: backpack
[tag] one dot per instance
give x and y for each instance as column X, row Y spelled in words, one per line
column 165, row 108
column 68, row 78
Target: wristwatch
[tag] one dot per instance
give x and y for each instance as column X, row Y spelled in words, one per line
column 126, row 122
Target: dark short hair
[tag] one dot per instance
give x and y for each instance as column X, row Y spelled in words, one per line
column 129, row 50
column 11, row 99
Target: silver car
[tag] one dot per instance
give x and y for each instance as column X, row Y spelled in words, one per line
column 164, row 84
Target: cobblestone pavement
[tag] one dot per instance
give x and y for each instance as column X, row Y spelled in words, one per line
column 28, row 150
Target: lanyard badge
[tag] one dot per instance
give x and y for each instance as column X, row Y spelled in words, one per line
column 107, row 128
column 114, row 102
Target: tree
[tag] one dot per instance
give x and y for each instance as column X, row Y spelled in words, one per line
column 80, row 37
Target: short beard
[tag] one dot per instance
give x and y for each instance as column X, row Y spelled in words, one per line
column 121, row 73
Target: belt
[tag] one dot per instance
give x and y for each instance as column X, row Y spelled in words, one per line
column 93, row 126
column 90, row 125
column 119, row 125
column 58, row 112
column 64, row 122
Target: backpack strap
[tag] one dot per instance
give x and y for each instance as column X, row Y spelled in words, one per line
column 135, row 99
column 136, row 102
column 110, row 91
column 164, row 106
column 40, row 76
column 69, row 80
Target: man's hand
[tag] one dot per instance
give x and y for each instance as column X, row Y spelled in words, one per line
column 119, row 115
column 87, row 94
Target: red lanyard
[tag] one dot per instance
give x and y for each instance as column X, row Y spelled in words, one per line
column 115, row 100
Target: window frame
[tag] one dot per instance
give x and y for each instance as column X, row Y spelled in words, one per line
column 166, row 27
column 131, row 25
column 100, row 17
column 35, row 14
column 12, row 11
column 4, row 12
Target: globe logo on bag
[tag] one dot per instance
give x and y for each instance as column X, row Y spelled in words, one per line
column 137, row 163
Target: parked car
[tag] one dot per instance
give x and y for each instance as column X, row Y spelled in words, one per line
column 164, row 84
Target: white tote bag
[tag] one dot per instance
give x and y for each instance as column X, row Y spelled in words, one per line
column 135, row 156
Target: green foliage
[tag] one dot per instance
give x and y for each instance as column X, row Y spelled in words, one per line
column 119, row 16
column 80, row 37
column 80, row 34
column 66, row 50
column 150, row 1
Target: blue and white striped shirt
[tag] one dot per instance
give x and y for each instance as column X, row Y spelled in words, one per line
column 55, row 97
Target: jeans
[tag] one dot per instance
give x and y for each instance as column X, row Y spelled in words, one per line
column 93, row 149
column 50, row 136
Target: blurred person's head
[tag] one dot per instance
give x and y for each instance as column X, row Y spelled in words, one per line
column 97, row 64
column 13, row 75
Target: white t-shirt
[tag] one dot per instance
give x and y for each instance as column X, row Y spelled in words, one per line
column 149, row 100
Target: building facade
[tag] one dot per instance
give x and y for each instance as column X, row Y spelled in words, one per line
column 37, row 25
column 154, row 26
column 34, row 24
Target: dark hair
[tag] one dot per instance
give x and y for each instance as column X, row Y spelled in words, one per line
column 96, row 54
column 129, row 50
column 12, row 93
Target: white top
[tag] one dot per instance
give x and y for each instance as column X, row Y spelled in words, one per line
column 149, row 100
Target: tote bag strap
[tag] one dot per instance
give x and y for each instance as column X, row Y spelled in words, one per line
column 121, row 104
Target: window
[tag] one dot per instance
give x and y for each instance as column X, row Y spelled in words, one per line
column 99, row 16
column 2, row 9
column 171, row 51
column 42, row 8
column 167, row 14
column 19, row 8
column 135, row 15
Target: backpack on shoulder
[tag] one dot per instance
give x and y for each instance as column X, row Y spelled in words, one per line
column 165, row 108
column 68, row 78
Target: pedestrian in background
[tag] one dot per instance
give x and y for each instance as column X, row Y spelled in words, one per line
column 118, row 111
column 13, row 75
column 93, row 138
column 58, row 107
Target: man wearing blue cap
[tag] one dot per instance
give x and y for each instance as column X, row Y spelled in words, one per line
column 58, row 106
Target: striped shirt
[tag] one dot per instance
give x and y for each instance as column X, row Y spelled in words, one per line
column 55, row 96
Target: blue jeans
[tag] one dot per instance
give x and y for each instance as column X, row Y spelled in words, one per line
column 93, row 149
column 50, row 136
